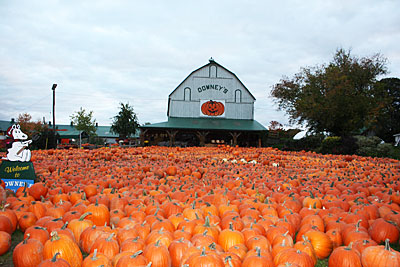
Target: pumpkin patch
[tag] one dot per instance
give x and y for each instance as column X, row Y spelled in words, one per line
column 222, row 206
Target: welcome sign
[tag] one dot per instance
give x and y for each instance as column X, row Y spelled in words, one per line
column 15, row 174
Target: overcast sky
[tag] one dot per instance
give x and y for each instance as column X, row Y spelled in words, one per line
column 103, row 52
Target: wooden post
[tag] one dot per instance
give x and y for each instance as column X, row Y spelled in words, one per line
column 54, row 113
column 142, row 136
column 202, row 137
column 235, row 136
column 171, row 135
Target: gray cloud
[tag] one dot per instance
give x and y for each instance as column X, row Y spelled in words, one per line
column 101, row 53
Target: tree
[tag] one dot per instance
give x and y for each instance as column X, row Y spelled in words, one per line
column 43, row 137
column 336, row 98
column 84, row 122
column 28, row 126
column 275, row 126
column 126, row 122
column 388, row 120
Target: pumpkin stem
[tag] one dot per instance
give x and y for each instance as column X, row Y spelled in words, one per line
column 258, row 251
column 136, row 254
column 26, row 239
column 229, row 260
column 84, row 216
column 110, row 237
column 54, row 259
column 54, row 236
column 65, row 226
column 350, row 246
column 212, row 246
column 207, row 222
column 157, row 210
column 203, row 252
column 358, row 225
column 94, row 257
column 387, row 246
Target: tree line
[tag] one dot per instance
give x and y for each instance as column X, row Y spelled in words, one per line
column 344, row 97
column 125, row 124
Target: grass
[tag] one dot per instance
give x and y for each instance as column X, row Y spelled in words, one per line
column 322, row 263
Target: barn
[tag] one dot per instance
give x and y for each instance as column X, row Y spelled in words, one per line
column 209, row 107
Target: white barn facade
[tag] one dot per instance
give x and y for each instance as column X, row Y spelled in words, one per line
column 211, row 105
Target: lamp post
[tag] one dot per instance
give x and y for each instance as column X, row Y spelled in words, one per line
column 54, row 113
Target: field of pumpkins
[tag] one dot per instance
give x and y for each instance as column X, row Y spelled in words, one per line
column 203, row 206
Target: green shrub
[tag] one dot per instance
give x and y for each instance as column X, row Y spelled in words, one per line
column 331, row 144
column 308, row 143
column 373, row 147
column 383, row 150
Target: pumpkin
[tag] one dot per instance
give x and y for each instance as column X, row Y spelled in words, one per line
column 133, row 260
column 321, row 242
column 27, row 220
column 28, row 253
column 213, row 230
column 176, row 250
column 345, row 257
column 378, row 256
column 291, row 255
column 5, row 242
column 96, row 259
column 38, row 209
column 38, row 190
column 37, row 232
column 230, row 237
column 6, row 224
column 307, row 247
column 380, row 230
column 10, row 214
column 107, row 246
column 205, row 259
column 257, row 259
column 158, row 254
column 67, row 249
column 77, row 226
column 99, row 214
column 54, row 262
column 213, row 108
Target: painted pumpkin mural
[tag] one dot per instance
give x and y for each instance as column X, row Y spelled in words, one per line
column 213, row 108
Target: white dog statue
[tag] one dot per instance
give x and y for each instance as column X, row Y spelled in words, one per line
column 19, row 150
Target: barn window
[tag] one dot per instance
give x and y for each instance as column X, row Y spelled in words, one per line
column 238, row 96
column 213, row 71
column 187, row 94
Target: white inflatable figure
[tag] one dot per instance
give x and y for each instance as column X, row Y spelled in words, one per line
column 19, row 150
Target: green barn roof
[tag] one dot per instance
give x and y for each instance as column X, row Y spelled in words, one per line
column 207, row 124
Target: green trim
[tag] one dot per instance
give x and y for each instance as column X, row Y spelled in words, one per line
column 207, row 124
